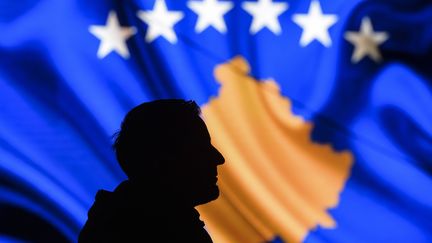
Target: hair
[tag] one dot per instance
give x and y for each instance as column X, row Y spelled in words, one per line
column 148, row 131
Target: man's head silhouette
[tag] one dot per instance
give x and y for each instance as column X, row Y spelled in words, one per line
column 165, row 150
column 165, row 144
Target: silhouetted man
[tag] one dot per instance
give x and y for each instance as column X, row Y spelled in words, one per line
column 165, row 150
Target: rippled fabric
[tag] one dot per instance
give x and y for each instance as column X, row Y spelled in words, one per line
column 60, row 105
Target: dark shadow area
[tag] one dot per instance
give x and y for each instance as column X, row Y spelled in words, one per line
column 165, row 149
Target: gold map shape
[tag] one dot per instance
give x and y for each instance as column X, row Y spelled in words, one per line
column 275, row 181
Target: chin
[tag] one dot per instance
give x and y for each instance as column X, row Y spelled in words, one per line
column 215, row 191
column 210, row 195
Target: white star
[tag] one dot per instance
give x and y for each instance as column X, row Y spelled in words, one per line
column 160, row 22
column 366, row 41
column 112, row 36
column 210, row 13
column 265, row 13
column 315, row 25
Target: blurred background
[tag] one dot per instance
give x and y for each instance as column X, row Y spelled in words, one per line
column 321, row 109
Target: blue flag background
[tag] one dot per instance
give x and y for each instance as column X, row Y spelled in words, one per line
column 361, row 74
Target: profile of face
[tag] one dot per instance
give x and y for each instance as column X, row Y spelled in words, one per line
column 194, row 167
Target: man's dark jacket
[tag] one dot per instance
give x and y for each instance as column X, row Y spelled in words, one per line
column 130, row 214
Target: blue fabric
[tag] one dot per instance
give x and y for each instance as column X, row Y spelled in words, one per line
column 60, row 103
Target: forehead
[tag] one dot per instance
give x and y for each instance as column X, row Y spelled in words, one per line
column 193, row 130
column 199, row 129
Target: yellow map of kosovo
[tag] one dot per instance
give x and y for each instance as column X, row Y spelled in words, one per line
column 275, row 181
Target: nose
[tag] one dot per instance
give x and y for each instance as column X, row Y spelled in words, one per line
column 220, row 160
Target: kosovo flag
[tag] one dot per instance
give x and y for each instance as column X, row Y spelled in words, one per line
column 322, row 109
